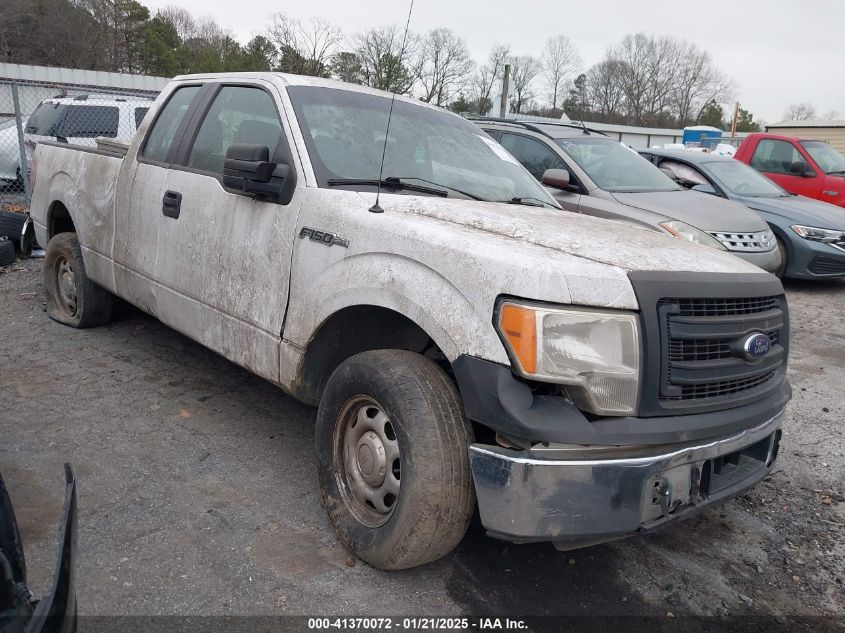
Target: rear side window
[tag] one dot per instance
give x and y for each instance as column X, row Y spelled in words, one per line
column 90, row 121
column 140, row 113
column 777, row 157
column 239, row 114
column 533, row 154
column 164, row 129
column 46, row 119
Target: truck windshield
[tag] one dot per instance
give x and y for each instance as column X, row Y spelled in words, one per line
column 615, row 168
column 742, row 180
column 345, row 135
column 830, row 161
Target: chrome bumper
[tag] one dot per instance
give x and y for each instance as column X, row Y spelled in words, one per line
column 579, row 496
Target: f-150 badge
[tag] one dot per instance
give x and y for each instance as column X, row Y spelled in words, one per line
column 323, row 237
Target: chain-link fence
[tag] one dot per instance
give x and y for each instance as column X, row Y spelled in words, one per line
column 32, row 111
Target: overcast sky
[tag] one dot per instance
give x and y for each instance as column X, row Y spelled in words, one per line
column 777, row 51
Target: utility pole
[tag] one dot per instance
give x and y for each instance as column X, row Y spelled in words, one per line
column 733, row 123
column 503, row 106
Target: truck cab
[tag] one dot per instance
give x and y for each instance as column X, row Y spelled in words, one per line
column 805, row 167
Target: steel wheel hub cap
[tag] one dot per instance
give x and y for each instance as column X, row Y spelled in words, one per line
column 66, row 282
column 366, row 444
column 371, row 459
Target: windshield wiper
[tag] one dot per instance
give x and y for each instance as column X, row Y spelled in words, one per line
column 528, row 201
column 439, row 184
column 837, row 172
column 387, row 183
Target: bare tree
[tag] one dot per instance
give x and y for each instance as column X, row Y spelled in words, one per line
column 182, row 20
column 446, row 64
column 524, row 71
column 800, row 112
column 697, row 82
column 831, row 114
column 560, row 59
column 605, row 89
column 389, row 60
column 487, row 76
column 305, row 48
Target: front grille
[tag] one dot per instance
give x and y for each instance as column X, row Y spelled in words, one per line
column 702, row 347
column 722, row 388
column 746, row 242
column 823, row 265
column 721, row 307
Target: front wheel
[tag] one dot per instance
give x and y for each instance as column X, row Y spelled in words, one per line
column 72, row 298
column 784, row 261
column 393, row 459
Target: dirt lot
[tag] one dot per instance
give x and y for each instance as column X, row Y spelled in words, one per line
column 198, row 494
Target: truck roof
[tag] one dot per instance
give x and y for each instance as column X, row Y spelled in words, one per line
column 306, row 80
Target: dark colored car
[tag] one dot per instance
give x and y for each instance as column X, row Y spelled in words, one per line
column 811, row 234
column 19, row 612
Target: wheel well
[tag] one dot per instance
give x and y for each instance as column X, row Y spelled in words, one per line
column 59, row 220
column 359, row 329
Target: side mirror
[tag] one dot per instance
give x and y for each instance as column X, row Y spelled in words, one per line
column 706, row 188
column 247, row 168
column 802, row 169
column 557, row 178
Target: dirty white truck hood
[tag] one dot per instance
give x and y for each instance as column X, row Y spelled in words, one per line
column 594, row 239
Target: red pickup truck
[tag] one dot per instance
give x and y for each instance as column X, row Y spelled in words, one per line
column 807, row 167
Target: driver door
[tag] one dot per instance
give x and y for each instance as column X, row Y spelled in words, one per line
column 224, row 256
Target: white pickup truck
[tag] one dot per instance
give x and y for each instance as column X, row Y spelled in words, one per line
column 469, row 344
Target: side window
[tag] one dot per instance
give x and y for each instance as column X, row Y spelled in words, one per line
column 90, row 121
column 533, row 154
column 239, row 114
column 140, row 113
column 164, row 129
column 778, row 157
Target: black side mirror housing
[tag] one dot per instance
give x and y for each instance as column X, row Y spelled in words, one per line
column 706, row 188
column 247, row 168
column 557, row 178
column 802, row 169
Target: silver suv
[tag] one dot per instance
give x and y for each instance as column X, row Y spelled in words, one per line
column 589, row 173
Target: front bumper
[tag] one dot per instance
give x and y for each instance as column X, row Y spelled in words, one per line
column 769, row 261
column 814, row 260
column 577, row 496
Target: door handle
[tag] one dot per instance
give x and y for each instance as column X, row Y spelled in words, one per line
column 171, row 204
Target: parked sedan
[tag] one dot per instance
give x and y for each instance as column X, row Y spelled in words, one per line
column 589, row 173
column 810, row 233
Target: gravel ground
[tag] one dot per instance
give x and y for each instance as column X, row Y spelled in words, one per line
column 198, row 493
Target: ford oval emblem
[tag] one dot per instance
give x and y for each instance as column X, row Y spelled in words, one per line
column 757, row 345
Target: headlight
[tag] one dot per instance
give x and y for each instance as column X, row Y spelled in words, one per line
column 684, row 231
column 828, row 236
column 595, row 353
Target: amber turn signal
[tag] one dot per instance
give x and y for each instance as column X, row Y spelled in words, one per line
column 519, row 326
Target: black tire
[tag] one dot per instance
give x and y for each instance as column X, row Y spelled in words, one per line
column 11, row 225
column 7, row 251
column 435, row 503
column 784, row 258
column 72, row 298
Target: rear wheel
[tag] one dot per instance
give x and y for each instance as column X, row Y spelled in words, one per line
column 72, row 298
column 393, row 461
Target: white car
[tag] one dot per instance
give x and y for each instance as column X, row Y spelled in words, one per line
column 76, row 120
